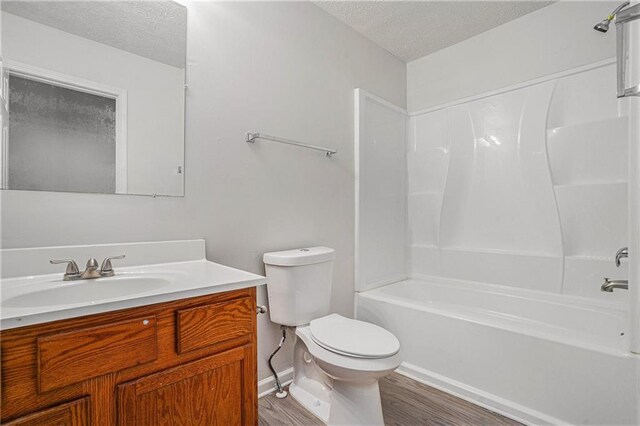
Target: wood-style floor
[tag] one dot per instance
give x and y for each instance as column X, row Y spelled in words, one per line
column 405, row 402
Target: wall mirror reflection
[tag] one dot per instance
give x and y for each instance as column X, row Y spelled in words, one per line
column 94, row 96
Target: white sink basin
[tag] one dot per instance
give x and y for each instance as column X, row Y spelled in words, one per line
column 88, row 291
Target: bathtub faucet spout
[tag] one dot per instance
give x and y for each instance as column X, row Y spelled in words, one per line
column 609, row 285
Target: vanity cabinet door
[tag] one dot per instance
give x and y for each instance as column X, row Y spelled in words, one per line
column 74, row 413
column 216, row 390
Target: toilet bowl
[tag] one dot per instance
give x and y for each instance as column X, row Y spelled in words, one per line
column 337, row 379
column 337, row 361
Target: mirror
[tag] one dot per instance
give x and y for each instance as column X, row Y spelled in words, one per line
column 93, row 96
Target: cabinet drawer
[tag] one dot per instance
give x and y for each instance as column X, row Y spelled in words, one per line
column 78, row 355
column 74, row 413
column 210, row 324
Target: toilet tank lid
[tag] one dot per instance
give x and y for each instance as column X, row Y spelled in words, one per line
column 301, row 256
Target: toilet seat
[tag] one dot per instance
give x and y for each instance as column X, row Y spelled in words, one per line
column 356, row 364
column 353, row 338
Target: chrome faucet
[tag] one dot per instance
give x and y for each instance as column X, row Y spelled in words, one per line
column 609, row 285
column 621, row 254
column 91, row 271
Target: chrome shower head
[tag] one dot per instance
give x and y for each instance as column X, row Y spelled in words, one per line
column 602, row 26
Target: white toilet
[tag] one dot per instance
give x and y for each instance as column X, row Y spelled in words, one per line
column 337, row 361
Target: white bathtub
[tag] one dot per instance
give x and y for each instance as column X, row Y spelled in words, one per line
column 535, row 357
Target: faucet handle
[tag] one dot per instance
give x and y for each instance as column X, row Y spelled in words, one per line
column 107, row 268
column 72, row 270
column 620, row 254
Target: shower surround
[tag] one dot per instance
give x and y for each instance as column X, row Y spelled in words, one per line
column 515, row 203
column 526, row 188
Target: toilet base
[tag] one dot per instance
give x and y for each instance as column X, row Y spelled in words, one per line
column 334, row 394
column 347, row 401
column 356, row 404
column 314, row 405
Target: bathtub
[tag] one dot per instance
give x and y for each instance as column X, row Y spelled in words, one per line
column 535, row 357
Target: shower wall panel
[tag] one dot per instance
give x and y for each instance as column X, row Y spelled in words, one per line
column 380, row 167
column 524, row 188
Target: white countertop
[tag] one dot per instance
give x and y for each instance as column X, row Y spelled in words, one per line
column 183, row 280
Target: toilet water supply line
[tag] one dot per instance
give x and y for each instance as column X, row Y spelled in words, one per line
column 280, row 392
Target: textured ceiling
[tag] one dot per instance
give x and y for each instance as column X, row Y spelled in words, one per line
column 153, row 29
column 413, row 29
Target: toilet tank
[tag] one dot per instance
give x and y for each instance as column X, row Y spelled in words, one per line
column 299, row 284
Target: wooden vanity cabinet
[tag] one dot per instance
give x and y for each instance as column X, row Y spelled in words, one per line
column 186, row 362
column 72, row 413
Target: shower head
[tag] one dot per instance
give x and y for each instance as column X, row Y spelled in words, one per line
column 603, row 26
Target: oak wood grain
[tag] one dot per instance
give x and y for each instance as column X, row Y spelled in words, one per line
column 74, row 356
column 203, row 326
column 103, row 399
column 19, row 391
column 250, row 385
column 74, row 413
column 204, row 392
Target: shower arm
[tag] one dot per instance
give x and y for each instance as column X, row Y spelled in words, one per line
column 618, row 9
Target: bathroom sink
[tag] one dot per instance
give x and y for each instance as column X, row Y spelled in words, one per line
column 88, row 291
column 32, row 290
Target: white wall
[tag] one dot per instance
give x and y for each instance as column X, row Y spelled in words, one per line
column 287, row 69
column 155, row 107
column 553, row 39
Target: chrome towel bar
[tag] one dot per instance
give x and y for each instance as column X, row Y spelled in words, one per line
column 251, row 137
